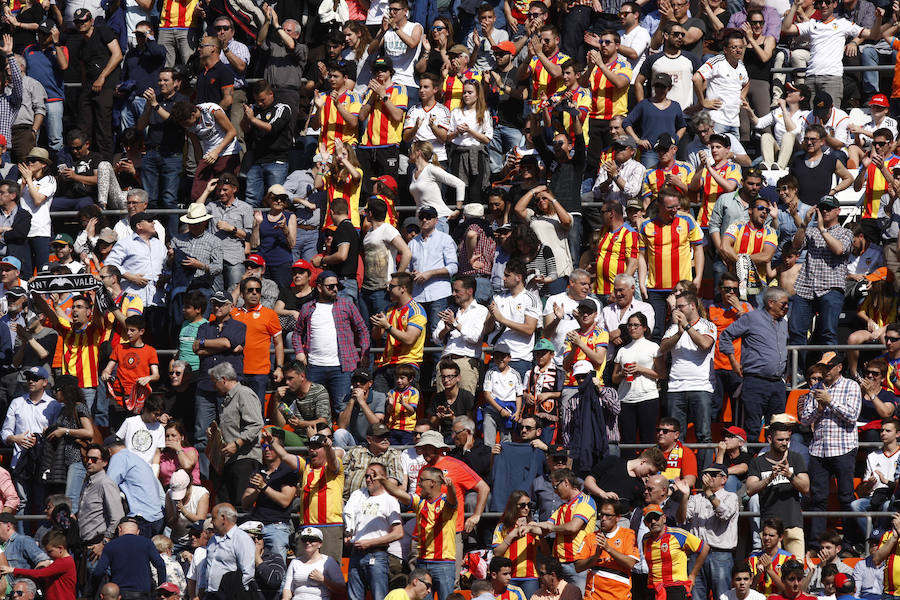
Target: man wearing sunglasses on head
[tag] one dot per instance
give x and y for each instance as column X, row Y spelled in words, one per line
column 100, row 507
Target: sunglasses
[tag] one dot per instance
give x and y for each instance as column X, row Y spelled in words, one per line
column 891, row 340
column 438, row 28
column 765, row 209
column 425, row 583
column 222, row 27
column 528, row 427
column 253, row 290
column 330, row 286
column 733, row 290
column 678, row 34
column 91, row 459
column 309, row 540
column 877, row 143
column 79, row 147
column 759, row 23
column 664, row 430
column 873, row 375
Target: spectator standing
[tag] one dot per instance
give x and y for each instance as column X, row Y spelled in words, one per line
column 608, row 80
column 721, row 82
column 232, row 223
column 459, row 330
column 712, row 515
column 373, row 526
column 559, row 312
column 673, row 235
column 28, row 122
column 674, row 61
column 236, row 58
column 821, row 281
column 46, row 61
column 400, row 40
column 831, row 410
column 15, row 224
column 269, row 495
column 176, row 19
column 100, row 504
column 666, row 550
column 240, row 421
column 514, row 315
column 428, row 121
column 38, row 187
column 140, row 258
column 221, row 341
column 433, row 264
column 638, row 365
column 814, row 169
column 690, row 340
column 613, row 554
column 874, row 489
column 381, row 113
column 779, row 477
column 198, row 252
column 128, row 558
column 142, row 64
column 267, row 127
column 100, row 56
column 763, row 357
column 619, row 178
column 229, row 562
column 212, row 138
column 140, row 485
column 263, row 331
column 331, row 317
column 827, row 35
column 345, row 248
column 286, row 59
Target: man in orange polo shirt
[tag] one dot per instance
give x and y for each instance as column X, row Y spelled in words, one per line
column 613, row 552
column 263, row 329
column 722, row 314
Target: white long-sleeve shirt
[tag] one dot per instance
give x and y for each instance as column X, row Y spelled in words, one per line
column 465, row 340
column 426, row 189
column 24, row 416
column 632, row 173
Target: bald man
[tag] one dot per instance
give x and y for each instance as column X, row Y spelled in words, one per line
column 128, row 558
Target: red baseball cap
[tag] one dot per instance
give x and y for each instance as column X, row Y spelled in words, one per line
column 389, row 181
column 2, row 140
column 169, row 587
column 302, row 264
column 504, row 47
column 879, row 100
column 842, row 579
column 737, row 431
column 257, row 260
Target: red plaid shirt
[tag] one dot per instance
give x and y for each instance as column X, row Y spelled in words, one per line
column 484, row 246
column 352, row 333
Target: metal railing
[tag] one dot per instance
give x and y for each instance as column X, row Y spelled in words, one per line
column 796, row 350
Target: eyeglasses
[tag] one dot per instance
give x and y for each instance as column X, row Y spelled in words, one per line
column 18, row 592
column 222, row 27
column 814, row 378
column 759, row 23
column 79, row 147
column 558, row 483
column 604, row 515
column 559, row 143
column 665, row 430
column 448, row 377
column 874, row 375
column 633, row 325
column 765, row 209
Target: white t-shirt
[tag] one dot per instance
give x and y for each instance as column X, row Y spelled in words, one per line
column 836, row 125
column 412, row 462
column 827, row 40
column 516, row 308
column 503, row 387
column 725, row 83
column 867, row 262
column 566, row 324
column 403, row 56
column 208, row 131
column 468, row 115
column 441, row 114
column 641, row 352
column 638, row 40
column 142, row 438
column 297, row 580
column 692, row 368
column 879, row 461
column 368, row 517
column 377, row 10
column 40, row 215
column 379, row 256
column 322, row 335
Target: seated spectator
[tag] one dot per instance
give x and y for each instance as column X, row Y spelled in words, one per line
column 377, row 450
column 300, row 403
column 830, row 543
column 740, row 585
column 451, row 402
column 468, row 448
column 878, row 404
column 730, row 452
column 186, row 503
column 268, row 499
column 553, row 584
column 874, row 491
column 255, row 266
column 621, row 480
column 21, row 551
column 659, row 119
column 460, row 332
column 681, row 462
column 877, row 310
column 174, row 572
column 794, row 582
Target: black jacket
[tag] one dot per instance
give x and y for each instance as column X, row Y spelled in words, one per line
column 16, row 239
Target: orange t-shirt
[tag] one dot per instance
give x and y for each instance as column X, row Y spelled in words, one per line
column 464, row 479
column 132, row 364
column 262, row 326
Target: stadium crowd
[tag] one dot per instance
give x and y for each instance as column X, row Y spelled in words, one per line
column 372, row 299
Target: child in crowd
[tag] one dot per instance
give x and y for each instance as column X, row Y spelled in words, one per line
column 402, row 403
column 136, row 364
column 143, row 434
column 543, row 388
column 502, row 397
column 59, row 578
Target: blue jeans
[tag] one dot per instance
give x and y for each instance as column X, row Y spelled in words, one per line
column 53, row 123
column 723, row 129
column 827, row 306
column 443, row 225
column 432, row 310
column 697, row 406
column 574, row 237
column 657, row 299
column 865, row 505
column 714, row 575
column 574, row 577
column 350, row 289
column 760, row 398
column 870, row 57
column 343, row 438
column 98, row 403
column 205, row 412
column 529, row 586
column 74, row 483
column 372, row 303
column 131, row 112
column 260, row 177
column 368, row 571
column 306, row 245
column 160, row 176
column 505, row 139
column 520, row 366
column 258, row 383
column 443, row 574
column 277, row 537
column 229, row 277
column 483, row 291
column 336, row 381
column 649, row 158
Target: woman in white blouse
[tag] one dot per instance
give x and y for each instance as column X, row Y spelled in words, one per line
column 426, row 181
column 551, row 222
column 312, row 575
column 38, row 186
column 471, row 130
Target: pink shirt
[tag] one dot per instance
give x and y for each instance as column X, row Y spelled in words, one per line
column 8, row 491
column 168, row 464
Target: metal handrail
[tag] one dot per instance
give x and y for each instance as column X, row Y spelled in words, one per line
column 796, row 350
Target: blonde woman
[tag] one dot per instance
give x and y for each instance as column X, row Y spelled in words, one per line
column 341, row 179
column 426, row 181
